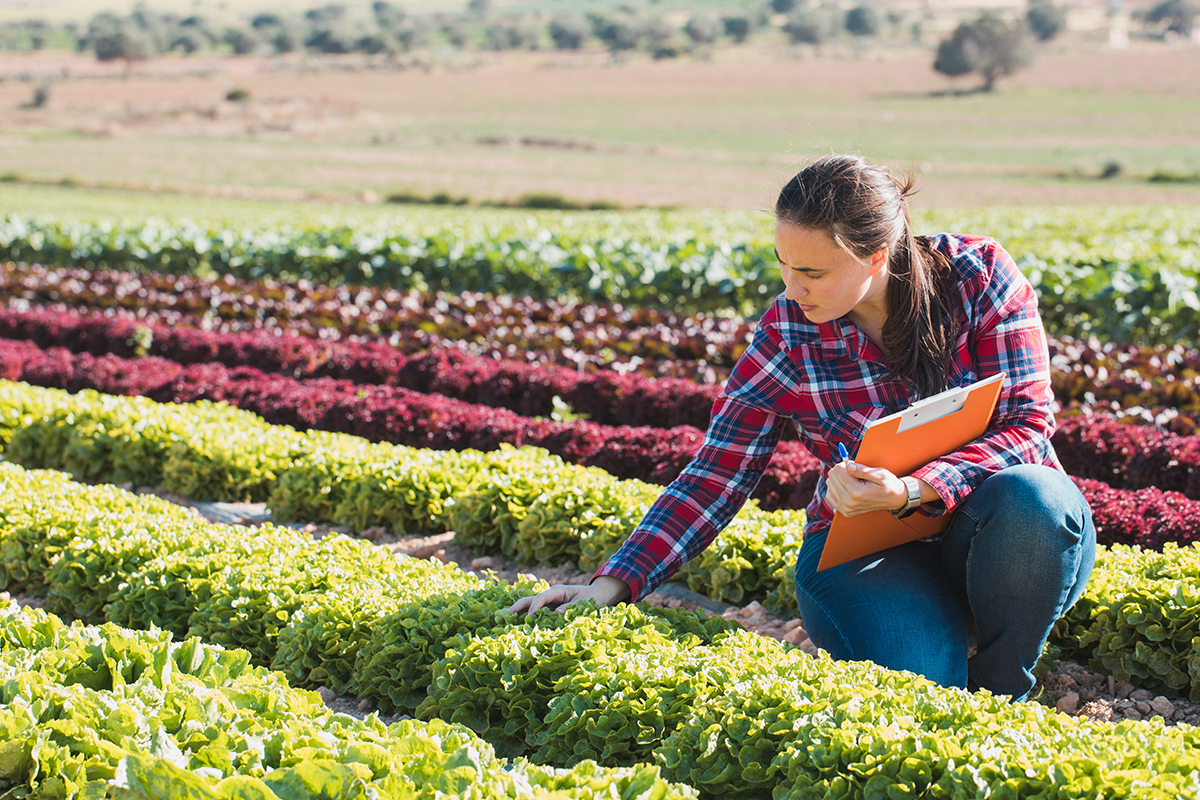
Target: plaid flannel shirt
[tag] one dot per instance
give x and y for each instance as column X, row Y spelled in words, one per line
column 830, row 381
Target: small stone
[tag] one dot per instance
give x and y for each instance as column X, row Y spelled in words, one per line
column 373, row 533
column 1141, row 695
column 808, row 647
column 1098, row 710
column 1123, row 689
column 1133, row 714
column 1163, row 707
column 366, row 705
column 1142, row 706
column 1068, row 703
column 327, row 695
column 483, row 562
column 755, row 611
column 795, row 636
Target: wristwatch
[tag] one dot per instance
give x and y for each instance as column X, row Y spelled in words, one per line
column 913, row 500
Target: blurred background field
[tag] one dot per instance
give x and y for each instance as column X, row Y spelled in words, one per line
column 448, row 111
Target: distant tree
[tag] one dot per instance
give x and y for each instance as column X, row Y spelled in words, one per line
column 989, row 46
column 737, row 27
column 862, row 21
column 242, row 40
column 128, row 44
column 376, row 42
column 413, row 34
column 569, row 32
column 1180, row 15
column 458, row 33
column 198, row 29
column 154, row 26
column 702, row 29
column 38, row 31
column 496, row 37
column 334, row 12
column 263, row 21
column 512, row 35
column 288, row 38
column 805, row 27
column 1045, row 19
column 188, row 41
column 784, row 6
column 619, row 34
column 479, row 8
column 657, row 32
column 389, row 16
column 332, row 39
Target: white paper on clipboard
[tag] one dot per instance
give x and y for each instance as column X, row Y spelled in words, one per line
column 935, row 407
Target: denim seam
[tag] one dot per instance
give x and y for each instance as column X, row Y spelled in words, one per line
column 830, row 618
column 972, row 623
column 1076, row 551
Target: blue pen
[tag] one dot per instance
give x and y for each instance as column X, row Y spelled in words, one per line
column 842, row 454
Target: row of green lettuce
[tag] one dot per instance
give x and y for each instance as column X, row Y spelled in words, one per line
column 95, row 712
column 718, row 708
column 525, row 503
column 1122, row 274
column 1136, row 620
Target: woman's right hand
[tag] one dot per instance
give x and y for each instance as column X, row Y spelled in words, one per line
column 605, row 590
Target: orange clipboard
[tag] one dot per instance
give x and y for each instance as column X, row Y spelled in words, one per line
column 902, row 443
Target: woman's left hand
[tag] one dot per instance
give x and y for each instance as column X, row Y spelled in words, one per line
column 856, row 489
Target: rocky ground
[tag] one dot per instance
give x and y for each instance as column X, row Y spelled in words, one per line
column 1070, row 688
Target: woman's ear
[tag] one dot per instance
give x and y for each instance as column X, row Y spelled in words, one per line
column 879, row 260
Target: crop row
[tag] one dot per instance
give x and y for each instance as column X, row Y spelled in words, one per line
column 1128, row 276
column 580, row 336
column 400, row 416
column 1137, row 622
column 1123, row 456
column 140, row 563
column 727, row 712
column 683, row 272
column 659, row 343
column 102, row 711
column 606, row 397
column 525, row 503
column 1122, row 380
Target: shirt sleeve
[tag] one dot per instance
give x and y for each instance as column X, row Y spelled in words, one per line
column 1008, row 336
column 697, row 505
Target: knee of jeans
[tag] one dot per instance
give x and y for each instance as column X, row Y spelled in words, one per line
column 1028, row 493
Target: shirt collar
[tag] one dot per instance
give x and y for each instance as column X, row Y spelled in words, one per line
column 837, row 338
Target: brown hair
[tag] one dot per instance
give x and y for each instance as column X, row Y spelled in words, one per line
column 865, row 209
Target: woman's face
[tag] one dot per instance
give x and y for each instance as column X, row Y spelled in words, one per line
column 826, row 280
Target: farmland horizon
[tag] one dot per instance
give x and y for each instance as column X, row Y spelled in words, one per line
column 1082, row 125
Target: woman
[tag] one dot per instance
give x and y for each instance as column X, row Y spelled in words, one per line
column 873, row 319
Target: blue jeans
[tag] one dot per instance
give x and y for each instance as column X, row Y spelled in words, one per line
column 1015, row 558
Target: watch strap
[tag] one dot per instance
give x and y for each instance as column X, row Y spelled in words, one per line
column 913, row 500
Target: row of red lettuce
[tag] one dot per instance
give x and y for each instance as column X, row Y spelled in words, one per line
column 1143, row 484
